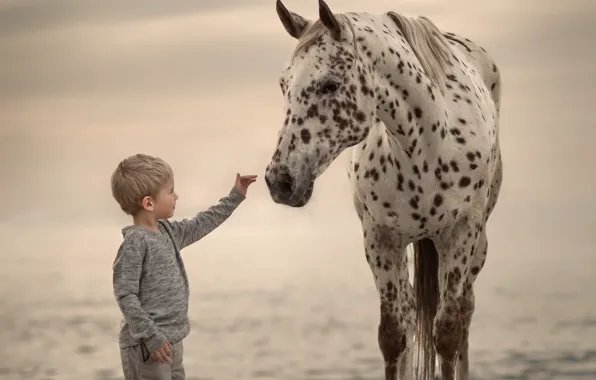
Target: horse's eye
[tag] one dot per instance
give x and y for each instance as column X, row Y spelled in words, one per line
column 329, row 87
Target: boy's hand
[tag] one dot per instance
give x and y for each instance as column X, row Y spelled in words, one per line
column 163, row 353
column 243, row 182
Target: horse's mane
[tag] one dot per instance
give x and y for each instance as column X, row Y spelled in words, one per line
column 424, row 37
column 427, row 43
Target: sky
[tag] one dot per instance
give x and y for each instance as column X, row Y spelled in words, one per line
column 84, row 84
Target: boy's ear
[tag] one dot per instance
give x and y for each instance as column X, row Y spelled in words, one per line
column 147, row 203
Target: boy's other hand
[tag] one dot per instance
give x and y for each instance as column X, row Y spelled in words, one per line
column 243, row 182
column 162, row 353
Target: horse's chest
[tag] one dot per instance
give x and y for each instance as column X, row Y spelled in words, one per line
column 415, row 202
column 414, row 210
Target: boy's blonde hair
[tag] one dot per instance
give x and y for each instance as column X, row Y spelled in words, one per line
column 136, row 177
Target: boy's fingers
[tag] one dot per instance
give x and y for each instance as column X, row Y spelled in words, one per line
column 163, row 353
column 167, row 349
column 157, row 356
column 167, row 354
column 163, row 358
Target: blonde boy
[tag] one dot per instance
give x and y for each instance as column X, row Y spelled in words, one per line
column 149, row 279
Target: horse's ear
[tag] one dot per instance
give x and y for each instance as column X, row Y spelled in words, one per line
column 329, row 20
column 294, row 24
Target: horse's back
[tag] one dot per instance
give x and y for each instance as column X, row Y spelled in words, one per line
column 482, row 61
column 487, row 68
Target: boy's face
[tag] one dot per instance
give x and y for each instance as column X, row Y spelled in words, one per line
column 165, row 203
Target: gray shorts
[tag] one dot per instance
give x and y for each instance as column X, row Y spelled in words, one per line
column 138, row 365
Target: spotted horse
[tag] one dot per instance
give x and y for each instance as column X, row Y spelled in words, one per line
column 419, row 109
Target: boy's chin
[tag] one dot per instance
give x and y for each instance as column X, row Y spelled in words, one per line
column 167, row 215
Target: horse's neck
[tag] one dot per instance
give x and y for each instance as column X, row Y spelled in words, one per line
column 412, row 109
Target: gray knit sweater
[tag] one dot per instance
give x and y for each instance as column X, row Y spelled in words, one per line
column 149, row 279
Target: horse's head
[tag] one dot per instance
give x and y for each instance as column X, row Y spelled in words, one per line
column 329, row 103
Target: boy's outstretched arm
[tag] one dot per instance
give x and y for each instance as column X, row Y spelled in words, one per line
column 126, row 274
column 189, row 231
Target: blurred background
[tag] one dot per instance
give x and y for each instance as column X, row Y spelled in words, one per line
column 277, row 293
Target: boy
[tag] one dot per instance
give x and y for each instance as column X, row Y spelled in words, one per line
column 149, row 279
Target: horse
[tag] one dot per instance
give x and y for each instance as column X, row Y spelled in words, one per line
column 419, row 109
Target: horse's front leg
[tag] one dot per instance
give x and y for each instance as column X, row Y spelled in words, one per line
column 461, row 251
column 387, row 259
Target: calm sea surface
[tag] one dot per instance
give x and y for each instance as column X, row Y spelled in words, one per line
column 306, row 313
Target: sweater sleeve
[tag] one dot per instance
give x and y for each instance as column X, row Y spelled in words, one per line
column 126, row 275
column 189, row 231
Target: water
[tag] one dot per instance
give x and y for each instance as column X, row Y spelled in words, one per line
column 299, row 313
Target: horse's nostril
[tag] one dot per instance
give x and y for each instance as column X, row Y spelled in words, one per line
column 285, row 184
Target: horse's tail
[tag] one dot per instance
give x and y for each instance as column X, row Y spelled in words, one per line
column 426, row 288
